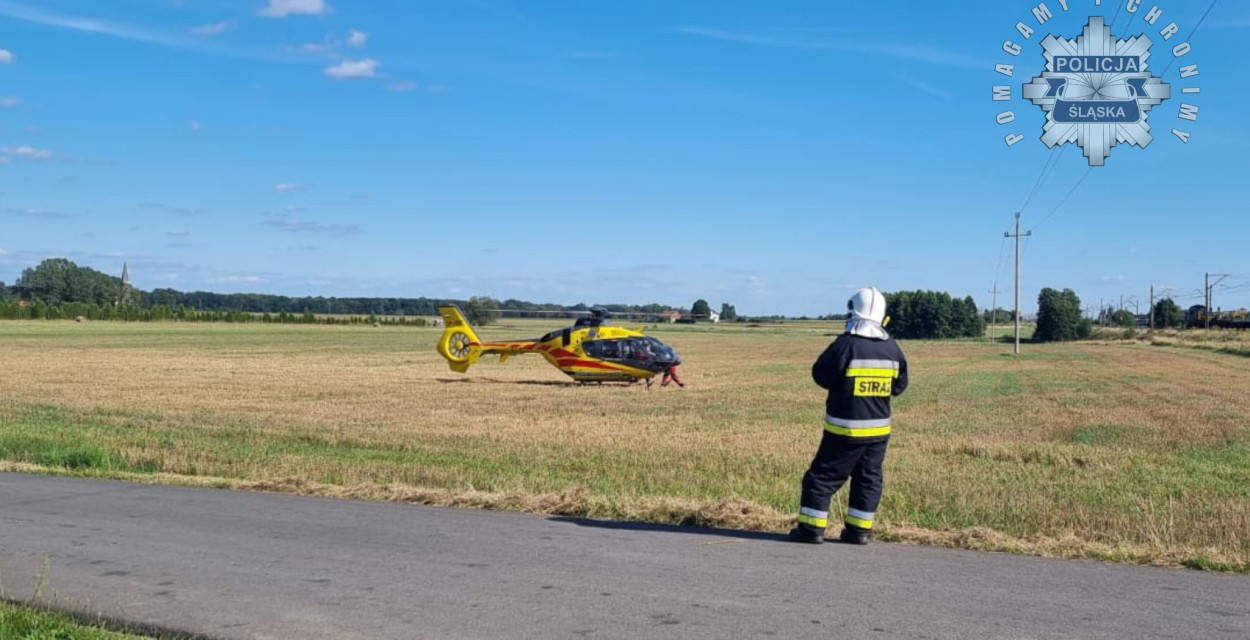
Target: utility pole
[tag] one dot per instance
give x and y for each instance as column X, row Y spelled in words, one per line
column 1152, row 308
column 1017, row 237
column 993, row 311
column 1208, row 288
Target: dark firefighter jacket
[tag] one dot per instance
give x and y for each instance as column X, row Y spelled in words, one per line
column 861, row 374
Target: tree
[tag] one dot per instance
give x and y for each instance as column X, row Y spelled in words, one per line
column 932, row 315
column 701, row 310
column 57, row 280
column 971, row 324
column 727, row 312
column 1000, row 316
column 481, row 310
column 1059, row 317
column 1122, row 318
column 1167, row 314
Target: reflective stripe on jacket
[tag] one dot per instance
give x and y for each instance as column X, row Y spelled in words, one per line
column 861, row 374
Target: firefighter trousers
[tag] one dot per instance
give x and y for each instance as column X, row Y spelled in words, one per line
column 838, row 458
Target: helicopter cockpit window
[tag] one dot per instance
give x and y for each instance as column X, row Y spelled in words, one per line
column 646, row 349
column 610, row 349
column 658, row 350
column 637, row 349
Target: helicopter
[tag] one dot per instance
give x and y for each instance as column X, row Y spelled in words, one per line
column 589, row 351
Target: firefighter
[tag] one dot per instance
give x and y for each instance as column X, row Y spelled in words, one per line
column 862, row 369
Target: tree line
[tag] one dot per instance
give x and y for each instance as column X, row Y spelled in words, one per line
column 59, row 289
column 56, row 287
column 38, row 310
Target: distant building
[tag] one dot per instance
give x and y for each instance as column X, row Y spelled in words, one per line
column 123, row 296
column 713, row 316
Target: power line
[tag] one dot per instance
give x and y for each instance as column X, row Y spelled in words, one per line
column 998, row 271
column 1048, row 168
column 1191, row 33
column 1117, row 15
column 1065, row 198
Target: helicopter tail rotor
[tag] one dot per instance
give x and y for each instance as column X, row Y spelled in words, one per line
column 459, row 344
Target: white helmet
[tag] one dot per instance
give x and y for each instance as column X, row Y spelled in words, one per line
column 867, row 304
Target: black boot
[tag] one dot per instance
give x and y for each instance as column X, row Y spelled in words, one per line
column 851, row 535
column 803, row 534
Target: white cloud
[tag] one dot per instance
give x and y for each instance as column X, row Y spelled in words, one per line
column 9, row 102
column 285, row 187
column 366, row 68
column 214, row 29
column 817, row 41
column 24, row 151
column 88, row 25
column 164, row 208
column 284, row 8
column 293, row 224
column 403, row 86
column 35, row 213
column 925, row 87
column 195, row 125
column 2, row 251
column 7, row 57
column 237, row 279
column 4, row 160
column 180, row 39
column 314, row 48
column 331, row 46
column 293, row 208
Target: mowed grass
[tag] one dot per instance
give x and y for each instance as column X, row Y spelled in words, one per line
column 1126, row 452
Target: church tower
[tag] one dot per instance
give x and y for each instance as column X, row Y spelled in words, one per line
column 124, row 296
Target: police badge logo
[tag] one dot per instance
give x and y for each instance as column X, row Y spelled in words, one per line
column 1096, row 91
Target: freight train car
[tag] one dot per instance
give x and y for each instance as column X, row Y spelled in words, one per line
column 1198, row 317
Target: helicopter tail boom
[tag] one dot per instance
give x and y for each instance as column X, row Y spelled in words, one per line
column 459, row 344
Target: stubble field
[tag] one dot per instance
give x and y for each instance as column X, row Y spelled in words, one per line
column 1122, row 451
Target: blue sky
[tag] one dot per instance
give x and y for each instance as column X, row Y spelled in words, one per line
column 770, row 155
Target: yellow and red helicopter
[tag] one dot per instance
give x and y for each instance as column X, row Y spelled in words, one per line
column 589, row 351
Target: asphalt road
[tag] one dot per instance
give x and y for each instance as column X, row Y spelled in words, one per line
column 226, row 564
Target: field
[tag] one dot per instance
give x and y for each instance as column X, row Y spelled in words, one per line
column 1118, row 450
